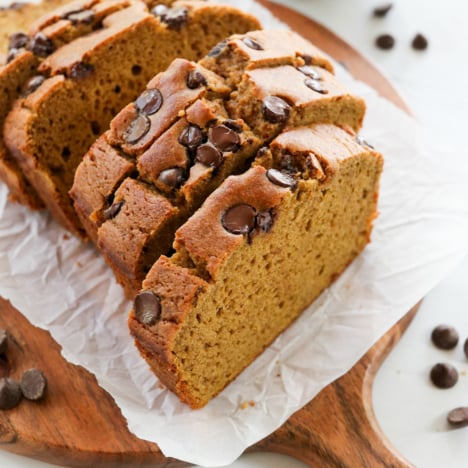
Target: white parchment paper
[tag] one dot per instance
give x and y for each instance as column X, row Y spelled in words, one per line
column 420, row 235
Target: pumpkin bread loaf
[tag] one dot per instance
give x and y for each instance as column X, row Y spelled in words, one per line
column 176, row 168
column 49, row 25
column 49, row 130
column 253, row 257
column 24, row 53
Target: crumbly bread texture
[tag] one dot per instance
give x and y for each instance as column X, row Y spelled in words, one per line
column 182, row 151
column 253, row 257
column 89, row 79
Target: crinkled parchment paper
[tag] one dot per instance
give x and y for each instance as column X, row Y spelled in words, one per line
column 420, row 235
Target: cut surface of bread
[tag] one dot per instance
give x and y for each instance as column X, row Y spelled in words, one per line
column 257, row 253
column 92, row 77
column 196, row 138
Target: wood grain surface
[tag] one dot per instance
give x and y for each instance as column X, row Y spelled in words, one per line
column 79, row 424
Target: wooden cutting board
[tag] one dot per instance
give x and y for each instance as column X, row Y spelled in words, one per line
column 79, row 424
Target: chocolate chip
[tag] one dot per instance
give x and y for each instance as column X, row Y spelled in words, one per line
column 361, row 141
column 252, row 44
column 233, row 125
column 10, row 393
column 137, row 129
column 33, row 384
column 175, row 18
column 41, row 45
column 209, row 155
column 191, row 137
column 445, row 337
column 3, row 342
column 12, row 54
column 239, row 219
column 217, row 49
column 172, row 177
column 315, row 86
column 311, row 72
column 419, row 42
column 195, row 79
column 32, row 84
column 382, row 11
column 224, row 138
column 113, row 210
column 81, row 70
column 147, row 307
column 275, row 109
column 458, row 417
column 288, row 163
column 385, row 41
column 264, row 220
column 149, row 101
column 465, row 347
column 444, row 375
column 281, row 179
column 18, row 40
column 80, row 16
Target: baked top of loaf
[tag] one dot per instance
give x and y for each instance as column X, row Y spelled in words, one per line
column 247, row 263
column 85, row 85
column 193, row 141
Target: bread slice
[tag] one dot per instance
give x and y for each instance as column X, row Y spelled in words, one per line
column 258, row 252
column 92, row 77
column 183, row 151
column 24, row 53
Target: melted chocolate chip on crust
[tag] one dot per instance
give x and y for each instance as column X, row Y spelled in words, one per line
column 172, row 177
column 32, row 84
column 458, row 417
column 12, row 54
column 239, row 219
column 311, row 72
column 252, row 44
column 137, row 129
column 191, row 137
column 3, row 342
column 41, row 45
column 275, row 109
column 10, row 393
column 174, row 18
column 149, row 101
column 33, row 384
column 217, row 49
column 147, row 307
column 195, row 79
column 81, row 70
column 18, row 40
column 315, row 86
column 113, row 210
column 281, row 179
column 80, row 16
column 445, row 337
column 209, row 155
column 444, row 375
column 224, row 138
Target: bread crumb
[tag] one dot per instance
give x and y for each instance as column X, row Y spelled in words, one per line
column 181, row 113
column 66, row 237
column 79, row 264
column 252, row 403
column 244, row 405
